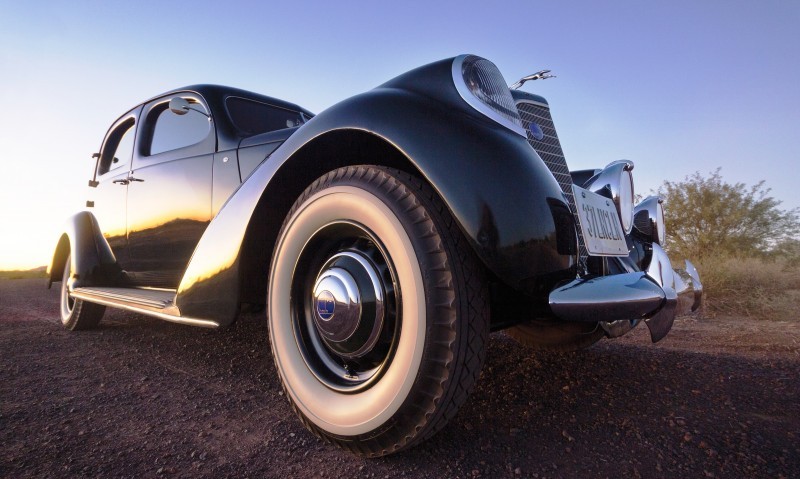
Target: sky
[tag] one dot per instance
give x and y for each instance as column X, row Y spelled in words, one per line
column 677, row 87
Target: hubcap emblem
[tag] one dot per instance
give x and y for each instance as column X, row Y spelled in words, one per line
column 326, row 305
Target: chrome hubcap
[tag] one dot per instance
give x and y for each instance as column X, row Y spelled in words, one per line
column 349, row 304
column 346, row 307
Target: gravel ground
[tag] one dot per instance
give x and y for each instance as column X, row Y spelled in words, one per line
column 140, row 397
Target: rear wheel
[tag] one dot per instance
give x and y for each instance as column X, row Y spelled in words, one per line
column 377, row 310
column 556, row 336
column 77, row 314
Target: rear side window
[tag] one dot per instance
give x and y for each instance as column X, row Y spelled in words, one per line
column 253, row 117
column 173, row 131
column 118, row 148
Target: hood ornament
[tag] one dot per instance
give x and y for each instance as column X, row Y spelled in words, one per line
column 540, row 75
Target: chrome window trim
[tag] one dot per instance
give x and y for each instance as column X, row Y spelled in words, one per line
column 476, row 103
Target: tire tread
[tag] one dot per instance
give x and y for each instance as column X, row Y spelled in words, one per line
column 455, row 285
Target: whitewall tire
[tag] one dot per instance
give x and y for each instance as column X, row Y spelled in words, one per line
column 377, row 310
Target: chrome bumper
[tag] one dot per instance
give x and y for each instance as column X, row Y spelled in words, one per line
column 619, row 302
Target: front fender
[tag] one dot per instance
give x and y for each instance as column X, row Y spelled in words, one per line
column 493, row 182
column 498, row 189
column 91, row 260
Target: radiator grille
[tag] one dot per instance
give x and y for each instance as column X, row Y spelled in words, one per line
column 549, row 149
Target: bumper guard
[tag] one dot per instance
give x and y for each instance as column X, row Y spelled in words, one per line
column 619, row 302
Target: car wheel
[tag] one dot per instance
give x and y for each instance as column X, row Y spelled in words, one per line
column 378, row 310
column 77, row 314
column 556, row 336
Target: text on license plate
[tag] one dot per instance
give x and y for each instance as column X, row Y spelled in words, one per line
column 599, row 223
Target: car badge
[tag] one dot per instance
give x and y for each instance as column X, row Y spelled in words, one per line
column 326, row 305
column 536, row 131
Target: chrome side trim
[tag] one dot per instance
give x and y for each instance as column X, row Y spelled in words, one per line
column 146, row 298
column 173, row 315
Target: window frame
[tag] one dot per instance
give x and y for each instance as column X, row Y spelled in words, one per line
column 129, row 117
column 241, row 132
column 147, row 124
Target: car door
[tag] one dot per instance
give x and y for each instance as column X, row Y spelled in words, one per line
column 169, row 190
column 108, row 197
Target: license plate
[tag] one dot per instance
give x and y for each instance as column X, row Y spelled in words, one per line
column 600, row 224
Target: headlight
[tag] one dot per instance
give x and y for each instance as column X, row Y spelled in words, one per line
column 648, row 219
column 483, row 87
column 616, row 182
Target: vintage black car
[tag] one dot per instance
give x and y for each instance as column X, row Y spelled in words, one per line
column 386, row 236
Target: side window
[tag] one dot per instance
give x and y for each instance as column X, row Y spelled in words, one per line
column 118, row 148
column 173, row 131
column 252, row 117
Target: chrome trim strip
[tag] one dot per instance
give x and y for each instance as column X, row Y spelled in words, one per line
column 129, row 296
column 474, row 102
column 173, row 318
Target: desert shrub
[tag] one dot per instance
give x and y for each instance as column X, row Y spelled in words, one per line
column 753, row 287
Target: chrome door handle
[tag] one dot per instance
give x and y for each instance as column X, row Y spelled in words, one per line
column 120, row 182
column 130, row 178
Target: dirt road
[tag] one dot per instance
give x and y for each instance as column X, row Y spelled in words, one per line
column 140, row 397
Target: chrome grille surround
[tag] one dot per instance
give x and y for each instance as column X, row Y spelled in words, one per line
column 549, row 149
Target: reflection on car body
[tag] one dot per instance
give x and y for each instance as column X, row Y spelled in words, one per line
column 386, row 236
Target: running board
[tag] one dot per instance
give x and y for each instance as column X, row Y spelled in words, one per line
column 159, row 303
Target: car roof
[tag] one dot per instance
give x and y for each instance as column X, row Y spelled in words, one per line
column 220, row 92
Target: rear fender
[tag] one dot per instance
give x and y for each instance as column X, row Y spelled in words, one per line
column 91, row 260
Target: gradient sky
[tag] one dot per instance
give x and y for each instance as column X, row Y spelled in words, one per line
column 678, row 87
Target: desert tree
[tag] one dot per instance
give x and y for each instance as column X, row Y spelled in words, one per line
column 707, row 216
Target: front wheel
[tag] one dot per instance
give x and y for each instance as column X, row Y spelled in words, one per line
column 378, row 310
column 77, row 314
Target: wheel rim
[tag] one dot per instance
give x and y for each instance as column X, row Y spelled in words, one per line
column 67, row 301
column 345, row 306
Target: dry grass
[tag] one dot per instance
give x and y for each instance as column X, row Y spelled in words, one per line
column 750, row 287
column 24, row 274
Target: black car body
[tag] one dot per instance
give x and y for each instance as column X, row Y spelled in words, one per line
column 386, row 235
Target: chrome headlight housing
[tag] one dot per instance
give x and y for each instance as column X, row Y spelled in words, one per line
column 483, row 87
column 648, row 219
column 616, row 181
